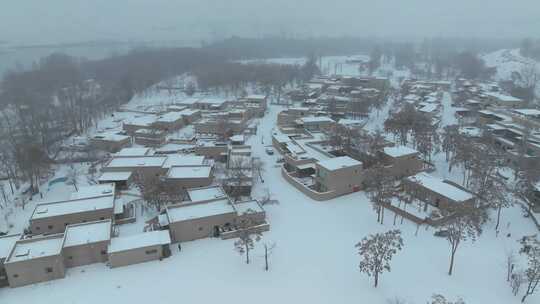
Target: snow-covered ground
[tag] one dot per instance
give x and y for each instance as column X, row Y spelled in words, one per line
column 508, row 61
column 314, row 261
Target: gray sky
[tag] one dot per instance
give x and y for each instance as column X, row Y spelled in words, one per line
column 55, row 21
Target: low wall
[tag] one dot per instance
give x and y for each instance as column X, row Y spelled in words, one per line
column 318, row 196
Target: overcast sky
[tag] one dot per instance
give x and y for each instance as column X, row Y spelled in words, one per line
column 57, row 21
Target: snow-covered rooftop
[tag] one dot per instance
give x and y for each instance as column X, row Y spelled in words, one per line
column 182, row 172
column 87, row 233
column 123, row 162
column 44, row 210
column 502, row 97
column 439, row 186
column 6, row 243
column 339, row 163
column 115, row 176
column 36, row 248
column 132, row 152
column 141, row 240
column 316, row 119
column 201, row 210
column 528, row 112
column 183, row 160
column 207, row 193
column 93, row 191
column 248, row 206
column 109, row 136
column 399, row 151
column 170, row 117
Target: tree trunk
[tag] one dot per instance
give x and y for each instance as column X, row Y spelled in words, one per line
column 376, row 279
column 265, row 257
column 451, row 262
column 498, row 218
column 247, row 254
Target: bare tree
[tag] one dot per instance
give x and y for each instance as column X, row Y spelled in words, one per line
column 73, row 177
column 510, row 265
column 531, row 248
column 237, row 175
column 380, row 190
column 466, row 224
column 377, row 251
column 247, row 236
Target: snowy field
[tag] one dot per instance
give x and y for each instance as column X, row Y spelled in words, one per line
column 314, row 260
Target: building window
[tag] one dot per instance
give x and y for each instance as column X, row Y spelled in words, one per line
column 103, row 252
column 15, row 275
column 50, row 227
column 48, row 270
column 70, row 258
column 101, row 218
column 37, row 228
column 153, row 251
column 66, row 224
column 200, row 228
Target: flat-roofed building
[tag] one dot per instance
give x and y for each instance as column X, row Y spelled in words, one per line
column 340, row 175
column 316, row 123
column 169, row 121
column 150, row 137
column 54, row 217
column 121, row 179
column 87, row 243
column 437, row 192
column 191, row 221
column 133, row 152
column 6, row 244
column 139, row 248
column 140, row 122
column 401, row 161
column 185, row 177
column 251, row 209
column 206, row 194
column 110, row 142
column 148, row 166
column 35, row 260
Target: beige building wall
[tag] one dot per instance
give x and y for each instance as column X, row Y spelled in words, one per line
column 57, row 224
column 135, row 256
column 200, row 228
column 85, row 254
column 342, row 181
column 35, row 270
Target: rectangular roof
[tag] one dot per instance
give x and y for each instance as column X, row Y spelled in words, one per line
column 248, row 206
column 339, row 163
column 93, row 191
column 194, row 211
column 45, row 210
column 170, row 117
column 181, row 172
column 115, row 176
column 437, row 185
column 148, row 161
column 528, row 112
column 87, row 233
column 36, row 247
column 141, row 240
column 6, row 243
column 399, row 151
column 207, row 193
column 316, row 119
column 183, row 160
column 132, row 152
column 109, row 136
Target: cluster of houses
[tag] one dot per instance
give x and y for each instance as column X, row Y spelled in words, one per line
column 322, row 172
column 84, row 230
column 87, row 228
column 152, row 126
